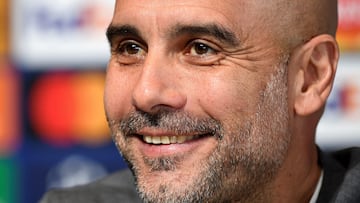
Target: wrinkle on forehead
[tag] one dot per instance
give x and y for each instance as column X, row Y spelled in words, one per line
column 158, row 16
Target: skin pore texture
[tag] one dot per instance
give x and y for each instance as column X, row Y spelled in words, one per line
column 218, row 101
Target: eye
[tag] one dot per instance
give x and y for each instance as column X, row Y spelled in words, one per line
column 201, row 49
column 130, row 52
column 130, row 48
column 202, row 53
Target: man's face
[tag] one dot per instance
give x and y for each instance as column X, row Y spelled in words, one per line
column 196, row 99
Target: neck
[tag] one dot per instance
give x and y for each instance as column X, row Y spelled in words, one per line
column 299, row 176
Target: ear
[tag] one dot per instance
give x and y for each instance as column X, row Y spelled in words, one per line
column 318, row 60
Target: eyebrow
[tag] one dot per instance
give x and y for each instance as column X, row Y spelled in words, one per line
column 220, row 33
column 122, row 30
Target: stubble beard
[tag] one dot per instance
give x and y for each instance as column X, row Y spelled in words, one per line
column 240, row 169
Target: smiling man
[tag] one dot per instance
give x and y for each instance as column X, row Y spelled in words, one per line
column 218, row 101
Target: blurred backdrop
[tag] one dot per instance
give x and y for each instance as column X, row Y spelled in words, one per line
column 53, row 132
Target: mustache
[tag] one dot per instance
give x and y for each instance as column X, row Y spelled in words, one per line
column 178, row 122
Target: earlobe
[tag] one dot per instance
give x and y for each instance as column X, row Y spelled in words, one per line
column 316, row 76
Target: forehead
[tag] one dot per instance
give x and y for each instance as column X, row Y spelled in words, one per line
column 253, row 22
column 164, row 13
column 178, row 7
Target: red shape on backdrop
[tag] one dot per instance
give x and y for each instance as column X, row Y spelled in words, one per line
column 51, row 108
column 67, row 108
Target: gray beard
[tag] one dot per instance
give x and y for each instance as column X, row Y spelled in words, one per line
column 240, row 169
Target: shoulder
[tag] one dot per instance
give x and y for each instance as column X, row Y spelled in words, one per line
column 117, row 187
column 341, row 181
column 348, row 158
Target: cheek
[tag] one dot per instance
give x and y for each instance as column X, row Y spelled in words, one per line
column 117, row 96
column 224, row 98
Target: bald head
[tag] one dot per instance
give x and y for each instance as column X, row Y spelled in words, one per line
column 299, row 20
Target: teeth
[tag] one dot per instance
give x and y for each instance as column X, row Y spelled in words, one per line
column 181, row 139
column 168, row 139
column 165, row 140
column 173, row 139
column 147, row 139
column 156, row 140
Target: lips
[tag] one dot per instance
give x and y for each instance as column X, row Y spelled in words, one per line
column 155, row 142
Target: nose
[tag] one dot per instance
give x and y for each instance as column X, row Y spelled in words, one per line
column 157, row 87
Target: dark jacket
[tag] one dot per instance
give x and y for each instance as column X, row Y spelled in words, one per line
column 115, row 188
column 341, row 182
